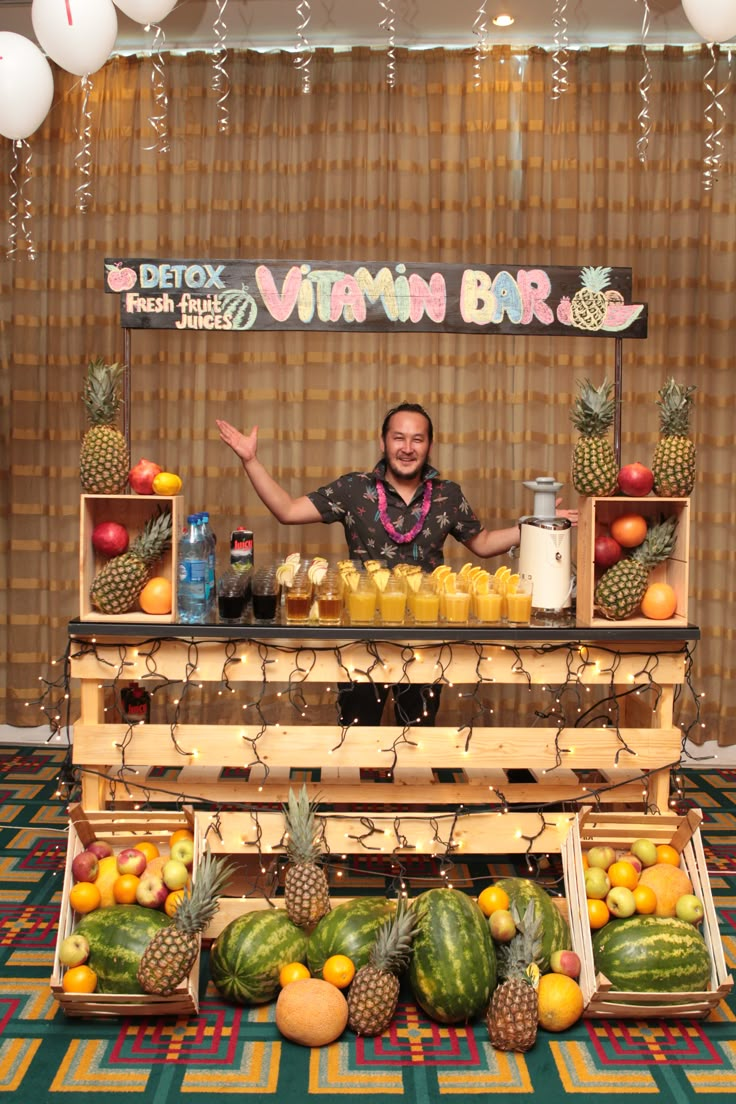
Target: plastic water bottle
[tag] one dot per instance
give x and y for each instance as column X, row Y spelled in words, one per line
column 192, row 605
column 211, row 540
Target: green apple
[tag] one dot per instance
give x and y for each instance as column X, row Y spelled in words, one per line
column 602, row 856
column 645, row 850
column 621, row 902
column 74, row 950
column 597, row 883
column 688, row 907
column 174, row 874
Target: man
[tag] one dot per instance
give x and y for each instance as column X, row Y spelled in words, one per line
column 402, row 511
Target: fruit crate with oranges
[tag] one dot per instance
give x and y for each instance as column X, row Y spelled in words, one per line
column 595, row 518
column 132, row 511
column 619, row 831
column 122, row 829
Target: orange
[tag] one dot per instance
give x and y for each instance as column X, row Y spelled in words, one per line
column 156, row 595
column 294, row 971
column 180, row 833
column 124, row 887
column 79, row 979
column 493, row 898
column 586, row 864
column 84, row 897
column 172, row 902
column 668, row 854
column 659, row 602
column 338, row 970
column 598, row 913
column 560, row 1002
column 645, row 899
column 149, row 849
column 629, row 530
column 623, row 874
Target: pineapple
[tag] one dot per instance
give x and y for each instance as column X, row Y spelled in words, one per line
column 589, row 304
column 674, row 457
column 513, row 1014
column 374, row 992
column 104, row 461
column 306, row 892
column 621, row 588
column 115, row 589
column 172, row 952
column 594, row 467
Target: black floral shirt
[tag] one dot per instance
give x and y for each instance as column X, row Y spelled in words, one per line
column 352, row 500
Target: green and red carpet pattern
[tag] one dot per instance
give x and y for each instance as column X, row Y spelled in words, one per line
column 237, row 1052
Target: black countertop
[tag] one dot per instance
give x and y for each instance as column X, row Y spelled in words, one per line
column 618, row 633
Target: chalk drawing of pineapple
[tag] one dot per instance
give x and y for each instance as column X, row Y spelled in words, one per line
column 589, row 304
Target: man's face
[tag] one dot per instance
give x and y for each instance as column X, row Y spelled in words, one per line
column 406, row 445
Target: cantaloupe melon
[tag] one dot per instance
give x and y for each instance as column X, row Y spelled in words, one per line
column 311, row 1012
column 668, row 882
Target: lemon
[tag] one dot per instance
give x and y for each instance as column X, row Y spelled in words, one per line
column 166, row 483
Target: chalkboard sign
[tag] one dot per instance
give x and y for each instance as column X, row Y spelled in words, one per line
column 378, row 296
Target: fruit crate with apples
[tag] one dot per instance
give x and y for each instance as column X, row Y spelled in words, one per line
column 595, row 517
column 121, row 829
column 132, row 511
column 619, row 830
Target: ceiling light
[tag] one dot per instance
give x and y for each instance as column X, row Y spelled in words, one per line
column 503, row 20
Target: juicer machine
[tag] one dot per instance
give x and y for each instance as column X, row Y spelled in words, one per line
column 544, row 551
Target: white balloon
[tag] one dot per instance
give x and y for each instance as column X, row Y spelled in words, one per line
column 78, row 34
column 26, row 86
column 714, row 20
column 146, row 11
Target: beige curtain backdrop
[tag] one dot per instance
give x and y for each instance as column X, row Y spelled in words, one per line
column 435, row 169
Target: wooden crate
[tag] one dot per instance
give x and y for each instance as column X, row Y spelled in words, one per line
column 133, row 511
column 122, row 829
column 595, row 516
column 619, row 830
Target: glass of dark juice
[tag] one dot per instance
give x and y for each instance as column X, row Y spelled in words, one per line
column 232, row 595
column 265, row 596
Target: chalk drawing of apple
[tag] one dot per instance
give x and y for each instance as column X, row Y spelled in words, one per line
column 119, row 278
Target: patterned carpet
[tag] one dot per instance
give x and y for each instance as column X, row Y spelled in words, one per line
column 239, row 1053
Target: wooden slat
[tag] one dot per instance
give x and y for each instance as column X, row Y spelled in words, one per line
column 307, row 746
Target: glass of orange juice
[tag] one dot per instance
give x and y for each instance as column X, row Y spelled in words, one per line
column 426, row 603
column 457, row 603
column 362, row 601
column 519, row 602
column 392, row 602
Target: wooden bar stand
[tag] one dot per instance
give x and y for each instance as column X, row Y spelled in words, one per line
column 632, row 756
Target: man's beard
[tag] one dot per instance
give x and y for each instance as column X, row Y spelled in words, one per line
column 402, row 476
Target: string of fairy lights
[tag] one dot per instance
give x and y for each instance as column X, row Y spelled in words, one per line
column 386, row 833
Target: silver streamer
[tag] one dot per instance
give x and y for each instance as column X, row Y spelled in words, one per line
column 713, row 143
column 480, row 29
column 220, row 78
column 83, row 158
column 645, row 122
column 388, row 26
column 158, row 122
column 561, row 51
column 19, row 175
column 303, row 58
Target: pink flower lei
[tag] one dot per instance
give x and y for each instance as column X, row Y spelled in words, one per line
column 393, row 532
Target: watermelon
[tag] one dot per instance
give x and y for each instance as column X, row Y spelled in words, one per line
column 452, row 970
column 117, row 938
column 652, row 954
column 556, row 935
column 247, row 957
column 350, row 929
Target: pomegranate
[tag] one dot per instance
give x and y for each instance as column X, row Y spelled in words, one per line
column 635, row 480
column 109, row 538
column 606, row 551
column 141, row 477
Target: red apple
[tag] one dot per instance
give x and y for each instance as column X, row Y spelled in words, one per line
column 85, row 866
column 141, row 477
column 151, row 891
column 635, row 480
column 565, row 962
column 101, row 848
column 109, row 538
column 131, row 861
column 606, row 551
